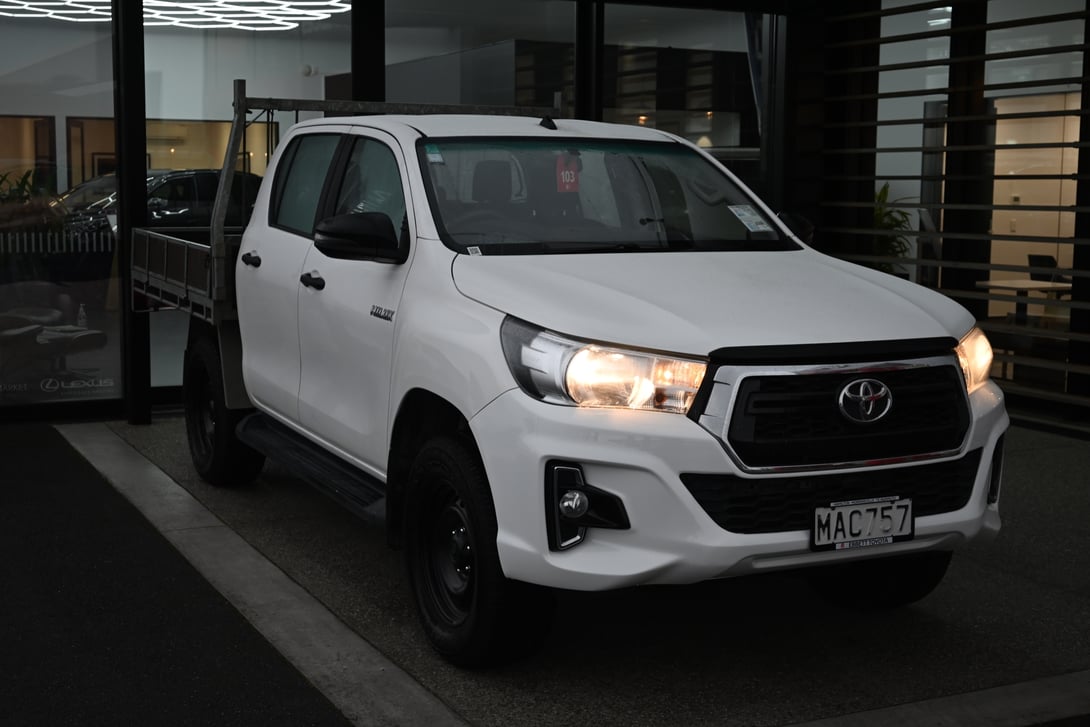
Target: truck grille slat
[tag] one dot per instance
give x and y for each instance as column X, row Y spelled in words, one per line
column 779, row 504
column 794, row 420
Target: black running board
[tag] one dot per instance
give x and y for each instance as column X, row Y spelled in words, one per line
column 359, row 492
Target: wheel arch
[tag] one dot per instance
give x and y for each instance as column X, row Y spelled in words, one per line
column 422, row 415
column 227, row 339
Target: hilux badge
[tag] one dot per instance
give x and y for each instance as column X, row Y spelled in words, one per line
column 865, row 400
column 385, row 314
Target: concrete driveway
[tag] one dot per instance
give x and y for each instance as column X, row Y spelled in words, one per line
column 760, row 651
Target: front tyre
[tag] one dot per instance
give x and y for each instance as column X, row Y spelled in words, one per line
column 471, row 613
column 219, row 457
column 882, row 583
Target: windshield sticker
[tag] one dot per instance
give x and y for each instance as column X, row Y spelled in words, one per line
column 749, row 217
column 434, row 156
column 473, row 250
column 567, row 173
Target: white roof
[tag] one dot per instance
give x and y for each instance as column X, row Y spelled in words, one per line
column 447, row 125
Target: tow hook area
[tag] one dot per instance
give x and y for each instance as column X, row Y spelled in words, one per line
column 572, row 506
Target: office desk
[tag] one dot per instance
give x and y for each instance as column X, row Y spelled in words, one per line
column 1022, row 288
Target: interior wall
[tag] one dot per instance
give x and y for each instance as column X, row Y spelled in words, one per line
column 190, row 74
column 1031, row 192
column 16, row 144
column 56, row 69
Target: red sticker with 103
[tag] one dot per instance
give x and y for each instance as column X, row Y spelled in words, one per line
column 567, row 173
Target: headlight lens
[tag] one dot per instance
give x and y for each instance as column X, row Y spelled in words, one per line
column 975, row 356
column 560, row 370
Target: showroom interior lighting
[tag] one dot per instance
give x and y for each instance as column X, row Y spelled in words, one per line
column 206, row 14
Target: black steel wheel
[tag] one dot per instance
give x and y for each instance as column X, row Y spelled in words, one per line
column 882, row 583
column 219, row 457
column 470, row 612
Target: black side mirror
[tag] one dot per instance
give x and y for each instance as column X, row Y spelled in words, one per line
column 802, row 227
column 361, row 236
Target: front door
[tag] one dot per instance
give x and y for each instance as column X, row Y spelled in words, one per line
column 346, row 328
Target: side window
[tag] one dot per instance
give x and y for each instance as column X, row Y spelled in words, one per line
column 179, row 191
column 299, row 181
column 240, row 203
column 372, row 183
column 206, row 187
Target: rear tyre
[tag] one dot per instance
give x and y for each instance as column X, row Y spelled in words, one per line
column 218, row 455
column 882, row 583
column 471, row 613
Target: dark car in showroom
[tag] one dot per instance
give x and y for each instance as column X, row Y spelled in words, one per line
column 176, row 198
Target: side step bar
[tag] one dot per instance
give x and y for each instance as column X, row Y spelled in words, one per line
column 362, row 494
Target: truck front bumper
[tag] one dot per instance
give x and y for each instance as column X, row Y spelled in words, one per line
column 639, row 458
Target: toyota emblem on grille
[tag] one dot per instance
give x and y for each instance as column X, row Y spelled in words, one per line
column 865, row 400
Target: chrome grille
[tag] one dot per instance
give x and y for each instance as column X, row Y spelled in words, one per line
column 789, row 418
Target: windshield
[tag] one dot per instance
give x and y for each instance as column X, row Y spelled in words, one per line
column 518, row 196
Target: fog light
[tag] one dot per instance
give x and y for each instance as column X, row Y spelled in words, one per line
column 574, row 504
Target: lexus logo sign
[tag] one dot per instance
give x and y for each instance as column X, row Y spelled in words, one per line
column 865, row 401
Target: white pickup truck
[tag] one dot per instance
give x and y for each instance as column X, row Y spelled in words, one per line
column 557, row 354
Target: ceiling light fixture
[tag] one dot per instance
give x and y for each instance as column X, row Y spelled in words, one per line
column 205, row 15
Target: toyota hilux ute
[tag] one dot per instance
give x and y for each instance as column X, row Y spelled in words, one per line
column 558, row 354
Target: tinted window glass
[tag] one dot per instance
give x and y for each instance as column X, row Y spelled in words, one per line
column 177, row 190
column 240, row 204
column 516, row 196
column 372, row 183
column 206, row 186
column 299, row 185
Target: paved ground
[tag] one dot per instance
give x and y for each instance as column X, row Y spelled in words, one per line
column 754, row 652
column 102, row 622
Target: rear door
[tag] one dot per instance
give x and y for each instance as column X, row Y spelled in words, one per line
column 268, row 269
column 346, row 328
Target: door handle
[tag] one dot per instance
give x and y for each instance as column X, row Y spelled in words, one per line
column 251, row 259
column 312, row 281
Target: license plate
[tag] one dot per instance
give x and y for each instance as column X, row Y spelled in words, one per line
column 862, row 523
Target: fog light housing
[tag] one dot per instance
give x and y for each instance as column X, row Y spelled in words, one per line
column 572, row 506
column 996, row 472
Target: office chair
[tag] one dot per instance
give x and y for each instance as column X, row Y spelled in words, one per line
column 1046, row 261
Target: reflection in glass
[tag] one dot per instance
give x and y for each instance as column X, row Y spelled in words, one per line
column 683, row 71
column 59, row 297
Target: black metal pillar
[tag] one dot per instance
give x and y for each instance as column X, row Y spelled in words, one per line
column 847, row 151
column 798, row 123
column 368, row 51
column 967, row 204
column 131, row 146
column 1079, row 350
column 589, row 54
column 773, row 83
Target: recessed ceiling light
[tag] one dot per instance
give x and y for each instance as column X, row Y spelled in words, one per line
column 206, row 14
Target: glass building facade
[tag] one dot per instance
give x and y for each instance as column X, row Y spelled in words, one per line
column 816, row 107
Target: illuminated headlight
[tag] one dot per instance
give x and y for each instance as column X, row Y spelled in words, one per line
column 561, row 370
column 975, row 357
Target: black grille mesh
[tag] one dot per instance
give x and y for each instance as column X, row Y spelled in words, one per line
column 795, row 420
column 777, row 504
